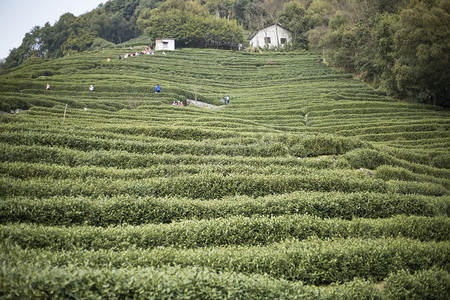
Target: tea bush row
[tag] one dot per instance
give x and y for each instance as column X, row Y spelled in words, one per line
column 383, row 129
column 127, row 160
column 30, row 170
column 302, row 146
column 174, row 147
column 197, row 283
column 144, row 283
column 374, row 158
column 422, row 135
column 312, row 261
column 134, row 210
column 223, row 232
column 215, row 186
column 437, row 159
column 390, row 173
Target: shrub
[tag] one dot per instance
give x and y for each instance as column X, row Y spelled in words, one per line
column 366, row 158
column 315, row 145
column 433, row 283
column 442, row 161
column 100, row 43
column 9, row 104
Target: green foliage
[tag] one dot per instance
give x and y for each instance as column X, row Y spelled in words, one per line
column 11, row 104
column 149, row 283
column 223, row 232
column 324, row 145
column 423, row 46
column 293, row 17
column 366, row 158
column 312, row 261
column 427, row 284
column 129, row 209
column 398, row 46
column 306, row 175
column 189, row 29
column 100, row 43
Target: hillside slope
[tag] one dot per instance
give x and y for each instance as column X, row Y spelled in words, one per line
column 306, row 178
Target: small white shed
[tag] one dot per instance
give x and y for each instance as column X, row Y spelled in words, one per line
column 270, row 36
column 165, row 45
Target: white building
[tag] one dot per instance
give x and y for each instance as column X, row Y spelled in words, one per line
column 270, row 37
column 165, row 45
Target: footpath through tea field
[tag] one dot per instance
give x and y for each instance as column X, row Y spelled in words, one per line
column 307, row 184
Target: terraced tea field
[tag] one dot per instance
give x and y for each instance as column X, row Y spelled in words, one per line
column 308, row 184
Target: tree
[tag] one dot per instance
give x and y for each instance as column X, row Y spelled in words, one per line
column 423, row 49
column 293, row 18
column 242, row 11
column 383, row 33
column 190, row 25
column 31, row 47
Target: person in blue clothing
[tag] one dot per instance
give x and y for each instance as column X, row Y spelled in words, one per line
column 157, row 89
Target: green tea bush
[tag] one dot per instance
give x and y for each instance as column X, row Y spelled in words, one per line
column 129, row 209
column 398, row 173
column 9, row 104
column 125, row 160
column 222, row 232
column 328, row 161
column 433, row 283
column 312, row 261
column 366, row 158
column 356, row 289
column 100, row 43
column 144, row 283
column 442, row 161
column 195, row 282
column 315, row 145
column 215, row 186
column 404, row 135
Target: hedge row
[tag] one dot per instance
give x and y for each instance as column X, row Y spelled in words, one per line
column 301, row 146
column 31, row 170
column 175, row 282
column 436, row 158
column 223, row 232
column 202, row 283
column 374, row 158
column 390, row 173
column 383, row 129
column 396, row 106
column 312, row 261
column 133, row 210
column 127, row 160
column 420, row 135
column 215, row 186
column 175, row 147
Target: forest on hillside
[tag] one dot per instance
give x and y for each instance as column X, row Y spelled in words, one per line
column 399, row 46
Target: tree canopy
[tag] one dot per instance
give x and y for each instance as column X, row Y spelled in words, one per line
column 190, row 25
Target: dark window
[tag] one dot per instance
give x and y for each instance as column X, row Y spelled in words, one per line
column 267, row 40
column 283, row 40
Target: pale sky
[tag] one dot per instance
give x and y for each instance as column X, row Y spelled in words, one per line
column 18, row 17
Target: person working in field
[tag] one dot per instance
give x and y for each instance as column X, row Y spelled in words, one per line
column 91, row 87
column 48, row 86
column 157, row 89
